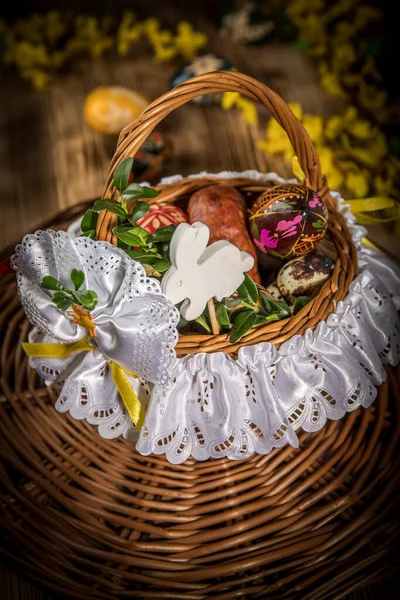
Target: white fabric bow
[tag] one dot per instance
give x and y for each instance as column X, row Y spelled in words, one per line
column 134, row 321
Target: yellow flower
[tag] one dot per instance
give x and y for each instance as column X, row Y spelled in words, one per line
column 151, row 26
column 162, row 52
column 334, row 176
column 277, row 140
column 128, row 32
column 383, row 186
column 357, row 183
column 27, row 55
column 188, row 41
column 38, row 77
column 372, row 98
column 360, row 129
column 312, row 30
column 297, row 8
column 89, row 38
column 247, row 108
column 315, row 128
column 333, row 127
column 344, row 56
column 330, row 82
column 229, row 99
column 54, row 26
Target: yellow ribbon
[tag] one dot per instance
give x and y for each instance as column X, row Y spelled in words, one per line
column 131, row 401
column 358, row 207
column 40, row 350
column 129, row 398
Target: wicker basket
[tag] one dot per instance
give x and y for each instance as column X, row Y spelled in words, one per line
column 92, row 518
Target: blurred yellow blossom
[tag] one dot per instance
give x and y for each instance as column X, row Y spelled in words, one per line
column 330, row 82
column 247, row 107
column 315, row 128
column 42, row 44
column 334, row 176
column 129, row 31
column 343, row 56
column 352, row 152
column 188, row 41
column 297, row 8
column 357, row 183
column 54, row 26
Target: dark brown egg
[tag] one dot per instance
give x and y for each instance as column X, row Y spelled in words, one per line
column 288, row 220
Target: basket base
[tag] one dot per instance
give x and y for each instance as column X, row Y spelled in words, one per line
column 94, row 517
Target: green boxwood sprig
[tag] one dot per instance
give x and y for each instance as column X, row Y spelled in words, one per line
column 63, row 297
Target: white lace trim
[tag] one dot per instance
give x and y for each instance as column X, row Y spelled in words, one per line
column 221, row 407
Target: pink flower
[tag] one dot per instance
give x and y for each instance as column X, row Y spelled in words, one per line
column 316, row 201
column 284, row 229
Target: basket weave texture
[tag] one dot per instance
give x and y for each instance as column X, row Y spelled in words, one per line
column 92, row 518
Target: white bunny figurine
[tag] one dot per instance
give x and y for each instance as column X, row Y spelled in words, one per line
column 199, row 273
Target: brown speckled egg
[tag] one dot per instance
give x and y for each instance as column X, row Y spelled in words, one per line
column 288, row 220
column 275, row 292
column 304, row 276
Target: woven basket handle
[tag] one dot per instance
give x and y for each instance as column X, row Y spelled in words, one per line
column 135, row 134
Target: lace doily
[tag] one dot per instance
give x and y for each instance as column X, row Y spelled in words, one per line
column 221, row 407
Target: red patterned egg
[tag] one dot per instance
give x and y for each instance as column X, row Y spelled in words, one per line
column 288, row 220
column 161, row 215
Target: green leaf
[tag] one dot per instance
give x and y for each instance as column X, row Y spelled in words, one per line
column 50, row 283
column 112, row 206
column 162, row 265
column 164, row 234
column 266, row 301
column 202, row 320
column 121, row 175
column 300, row 303
column 134, row 191
column 222, row 314
column 144, row 256
column 77, row 278
column 88, row 298
column 243, row 322
column 263, row 318
column 89, row 221
column 248, row 290
column 139, row 210
column 133, row 236
column 280, row 308
column 62, row 300
column 232, row 302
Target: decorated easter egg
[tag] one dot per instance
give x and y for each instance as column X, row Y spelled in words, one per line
column 303, row 276
column 288, row 220
column 200, row 65
column 246, row 24
column 161, row 215
column 110, row 109
column 150, row 158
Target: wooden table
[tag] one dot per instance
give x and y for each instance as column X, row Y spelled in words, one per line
column 51, row 160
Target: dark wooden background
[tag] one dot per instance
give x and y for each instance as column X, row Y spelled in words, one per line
column 51, row 160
